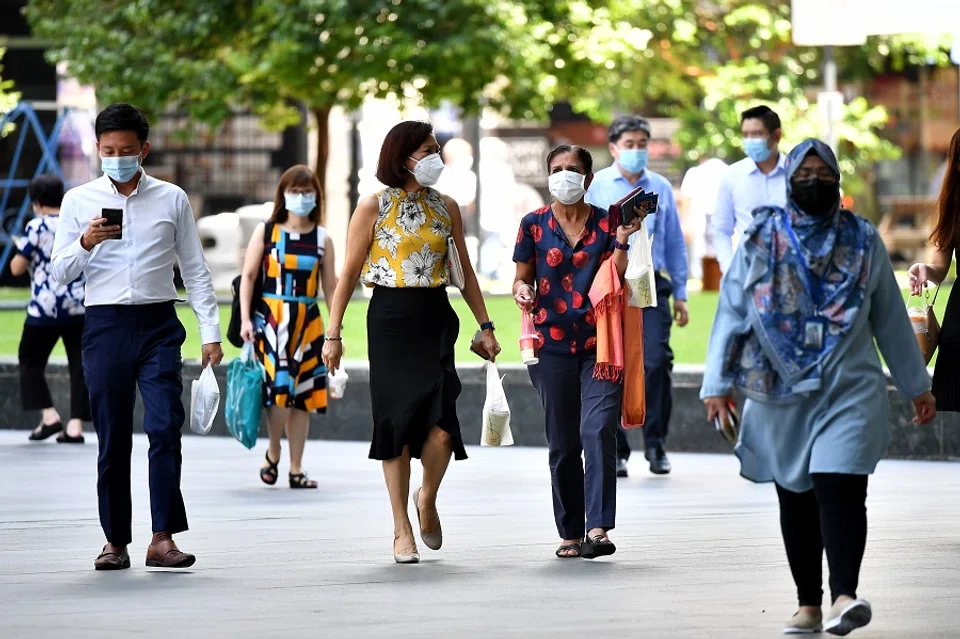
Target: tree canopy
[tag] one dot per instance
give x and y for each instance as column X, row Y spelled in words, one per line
column 8, row 98
column 701, row 62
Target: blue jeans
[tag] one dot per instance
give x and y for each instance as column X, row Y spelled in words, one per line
column 581, row 419
column 126, row 347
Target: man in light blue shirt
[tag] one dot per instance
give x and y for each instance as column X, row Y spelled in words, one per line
column 629, row 137
column 756, row 180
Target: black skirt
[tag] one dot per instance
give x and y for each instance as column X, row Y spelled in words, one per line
column 411, row 334
column 946, row 373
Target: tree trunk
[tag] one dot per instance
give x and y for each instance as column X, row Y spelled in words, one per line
column 322, row 116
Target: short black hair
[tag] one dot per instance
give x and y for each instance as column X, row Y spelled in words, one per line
column 625, row 124
column 402, row 140
column 46, row 190
column 122, row 117
column 763, row 113
column 582, row 154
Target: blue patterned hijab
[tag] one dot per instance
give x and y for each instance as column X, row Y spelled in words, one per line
column 771, row 359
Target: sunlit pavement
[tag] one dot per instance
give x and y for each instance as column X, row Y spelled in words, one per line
column 699, row 552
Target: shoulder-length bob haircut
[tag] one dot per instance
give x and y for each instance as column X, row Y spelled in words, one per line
column 401, row 141
column 299, row 175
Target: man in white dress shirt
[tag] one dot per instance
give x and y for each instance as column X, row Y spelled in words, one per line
column 132, row 336
column 757, row 180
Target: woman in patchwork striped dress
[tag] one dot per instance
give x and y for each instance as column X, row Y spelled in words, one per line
column 293, row 256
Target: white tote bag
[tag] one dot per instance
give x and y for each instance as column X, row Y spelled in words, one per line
column 496, row 412
column 454, row 265
column 639, row 275
column 204, row 401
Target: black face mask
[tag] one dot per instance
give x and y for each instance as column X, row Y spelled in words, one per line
column 816, row 197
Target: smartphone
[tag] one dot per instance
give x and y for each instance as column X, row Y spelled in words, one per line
column 731, row 429
column 644, row 201
column 114, row 217
column 476, row 346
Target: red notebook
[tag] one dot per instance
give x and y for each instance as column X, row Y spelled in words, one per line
column 616, row 209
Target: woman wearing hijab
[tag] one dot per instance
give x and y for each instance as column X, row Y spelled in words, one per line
column 799, row 311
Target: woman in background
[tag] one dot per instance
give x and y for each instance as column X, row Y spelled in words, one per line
column 293, row 255
column 397, row 242
column 55, row 313
column 945, row 239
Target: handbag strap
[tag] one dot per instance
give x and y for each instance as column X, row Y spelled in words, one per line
column 935, row 291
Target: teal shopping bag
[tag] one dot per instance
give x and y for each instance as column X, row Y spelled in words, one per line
column 244, row 397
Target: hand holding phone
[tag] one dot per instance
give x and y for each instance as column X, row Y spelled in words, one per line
column 108, row 226
column 729, row 427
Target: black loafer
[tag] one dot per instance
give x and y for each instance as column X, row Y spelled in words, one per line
column 659, row 462
column 64, row 438
column 45, row 431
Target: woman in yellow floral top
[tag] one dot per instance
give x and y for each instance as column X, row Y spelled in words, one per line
column 397, row 243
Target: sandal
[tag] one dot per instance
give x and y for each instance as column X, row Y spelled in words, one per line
column 597, row 546
column 271, row 473
column 43, row 431
column 300, row 481
column 564, row 548
column 65, row 438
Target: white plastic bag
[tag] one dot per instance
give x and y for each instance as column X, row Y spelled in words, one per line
column 337, row 383
column 496, row 412
column 204, row 401
column 639, row 275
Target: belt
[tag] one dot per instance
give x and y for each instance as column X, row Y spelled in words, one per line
column 298, row 299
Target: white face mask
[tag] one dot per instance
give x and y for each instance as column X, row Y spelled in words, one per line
column 567, row 186
column 427, row 170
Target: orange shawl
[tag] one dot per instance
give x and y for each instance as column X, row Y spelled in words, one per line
column 619, row 342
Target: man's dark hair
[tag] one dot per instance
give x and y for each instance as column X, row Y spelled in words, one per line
column 626, row 124
column 771, row 121
column 46, row 190
column 122, row 117
column 582, row 155
column 402, row 140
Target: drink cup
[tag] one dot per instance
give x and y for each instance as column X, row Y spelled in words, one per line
column 496, row 426
column 529, row 345
column 918, row 320
column 337, row 384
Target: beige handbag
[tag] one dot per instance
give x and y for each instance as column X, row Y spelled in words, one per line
column 925, row 325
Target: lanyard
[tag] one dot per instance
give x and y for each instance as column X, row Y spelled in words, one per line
column 816, row 290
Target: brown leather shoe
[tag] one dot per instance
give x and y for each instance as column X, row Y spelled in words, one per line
column 163, row 553
column 112, row 558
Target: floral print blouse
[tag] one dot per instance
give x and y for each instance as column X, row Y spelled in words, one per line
column 409, row 246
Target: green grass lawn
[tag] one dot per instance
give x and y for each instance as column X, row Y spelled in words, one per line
column 689, row 343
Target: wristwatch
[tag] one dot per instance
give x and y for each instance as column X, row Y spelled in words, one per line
column 622, row 247
column 487, row 326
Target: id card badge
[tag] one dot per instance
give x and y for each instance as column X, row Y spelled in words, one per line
column 813, row 332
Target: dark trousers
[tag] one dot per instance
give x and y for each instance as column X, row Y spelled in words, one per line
column 36, row 344
column 581, row 419
column 657, row 369
column 126, row 347
column 832, row 516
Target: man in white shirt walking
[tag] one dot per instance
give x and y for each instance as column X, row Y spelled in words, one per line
column 132, row 336
column 757, row 180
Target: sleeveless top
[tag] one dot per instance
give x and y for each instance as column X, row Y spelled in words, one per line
column 409, row 245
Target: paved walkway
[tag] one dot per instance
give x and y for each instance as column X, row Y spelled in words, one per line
column 699, row 553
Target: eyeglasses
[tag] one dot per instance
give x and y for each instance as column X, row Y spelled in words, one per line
column 825, row 175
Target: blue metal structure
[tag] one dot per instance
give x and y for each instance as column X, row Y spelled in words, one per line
column 28, row 122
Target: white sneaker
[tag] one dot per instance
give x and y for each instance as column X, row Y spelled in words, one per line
column 804, row 623
column 847, row 617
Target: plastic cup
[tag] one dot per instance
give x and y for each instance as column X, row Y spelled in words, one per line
column 528, row 350
column 337, row 384
column 496, row 426
column 918, row 320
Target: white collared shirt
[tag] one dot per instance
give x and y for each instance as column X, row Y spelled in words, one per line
column 158, row 226
column 744, row 188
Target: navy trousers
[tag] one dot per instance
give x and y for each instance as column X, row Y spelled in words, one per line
column 581, row 419
column 126, row 347
column 657, row 370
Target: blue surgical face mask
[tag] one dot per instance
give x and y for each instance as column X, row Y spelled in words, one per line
column 300, row 204
column 756, row 149
column 120, row 168
column 633, row 160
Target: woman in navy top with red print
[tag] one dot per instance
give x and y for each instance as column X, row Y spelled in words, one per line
column 559, row 251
